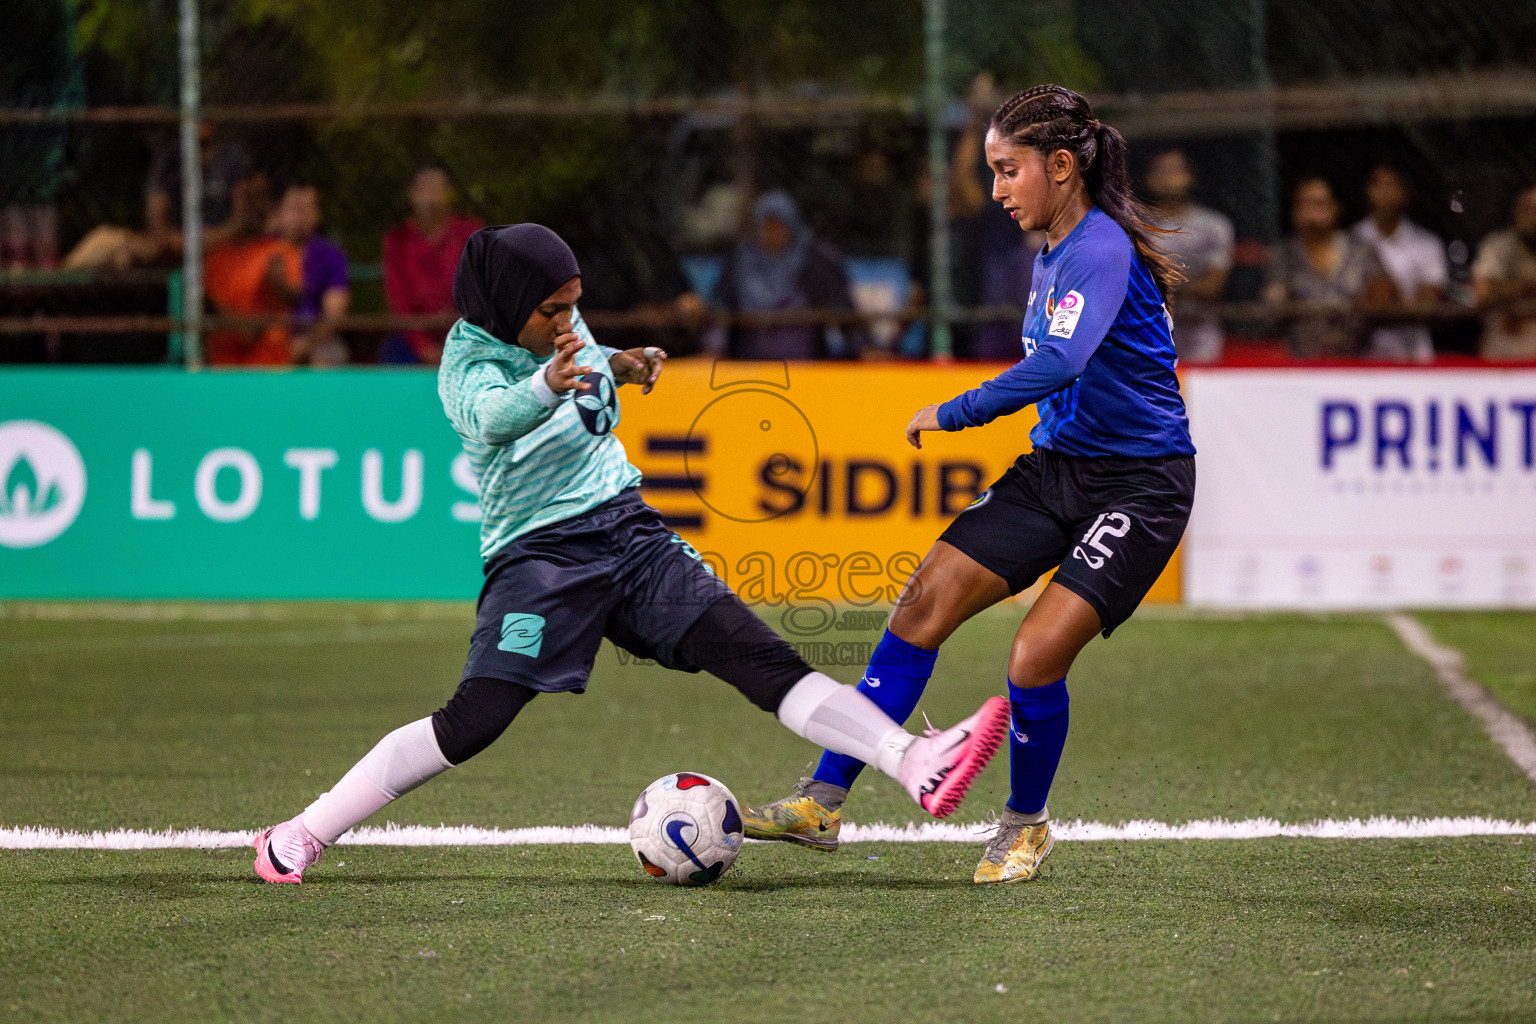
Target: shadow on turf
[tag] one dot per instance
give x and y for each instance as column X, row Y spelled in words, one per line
column 182, row 882
column 839, row 880
column 843, row 881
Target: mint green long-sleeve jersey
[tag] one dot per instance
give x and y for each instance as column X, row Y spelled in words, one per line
column 536, row 459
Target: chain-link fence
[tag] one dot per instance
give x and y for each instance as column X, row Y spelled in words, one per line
column 666, row 139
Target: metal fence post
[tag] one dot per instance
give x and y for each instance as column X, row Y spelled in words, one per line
column 191, row 191
column 1269, row 155
column 940, row 305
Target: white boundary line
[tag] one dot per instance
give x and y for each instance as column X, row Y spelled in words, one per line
column 33, row 838
column 1512, row 735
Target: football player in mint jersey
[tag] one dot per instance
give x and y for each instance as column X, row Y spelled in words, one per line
column 572, row 555
column 1102, row 498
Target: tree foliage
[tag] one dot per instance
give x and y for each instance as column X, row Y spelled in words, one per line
column 264, row 51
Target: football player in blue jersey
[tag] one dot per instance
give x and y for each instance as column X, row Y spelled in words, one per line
column 1102, row 498
column 573, row 555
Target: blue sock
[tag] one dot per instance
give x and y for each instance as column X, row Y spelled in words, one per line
column 895, row 679
column 1035, row 741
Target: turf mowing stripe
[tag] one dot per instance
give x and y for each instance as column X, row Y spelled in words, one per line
column 932, row 832
column 1512, row 735
column 380, row 632
column 240, row 611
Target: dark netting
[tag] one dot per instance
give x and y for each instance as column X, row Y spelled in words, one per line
column 648, row 133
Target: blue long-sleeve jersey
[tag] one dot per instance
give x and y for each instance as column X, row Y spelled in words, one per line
column 1098, row 355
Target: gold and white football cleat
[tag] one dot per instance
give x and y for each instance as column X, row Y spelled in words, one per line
column 797, row 818
column 1015, row 851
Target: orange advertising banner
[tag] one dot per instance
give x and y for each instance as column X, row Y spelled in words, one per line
column 796, row 482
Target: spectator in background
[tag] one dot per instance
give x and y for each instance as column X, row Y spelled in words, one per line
column 420, row 255
column 1505, row 273
column 1201, row 240
column 1414, row 260
column 629, row 267
column 225, row 162
column 323, row 297
column 1324, row 267
column 1003, row 254
column 252, row 273
column 874, row 217
column 869, row 210
column 782, row 268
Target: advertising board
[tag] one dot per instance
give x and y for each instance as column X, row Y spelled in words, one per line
column 1363, row 488
column 795, row 481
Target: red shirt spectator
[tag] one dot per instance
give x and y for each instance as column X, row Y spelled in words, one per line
column 420, row 255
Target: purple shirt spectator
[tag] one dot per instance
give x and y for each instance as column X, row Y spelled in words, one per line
column 322, row 299
column 325, row 267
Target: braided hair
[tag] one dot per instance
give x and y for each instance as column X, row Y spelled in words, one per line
column 1050, row 117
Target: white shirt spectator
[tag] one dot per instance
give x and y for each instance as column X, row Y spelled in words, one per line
column 1504, row 257
column 1201, row 242
column 1413, row 257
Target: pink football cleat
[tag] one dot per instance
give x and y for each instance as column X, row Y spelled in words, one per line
column 284, row 851
column 941, row 764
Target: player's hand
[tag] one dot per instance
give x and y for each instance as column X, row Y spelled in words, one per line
column 926, row 418
column 560, row 373
column 638, row 366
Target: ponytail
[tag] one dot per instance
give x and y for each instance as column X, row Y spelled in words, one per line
column 1050, row 117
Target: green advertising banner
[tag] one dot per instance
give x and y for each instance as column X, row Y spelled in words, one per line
column 155, row 483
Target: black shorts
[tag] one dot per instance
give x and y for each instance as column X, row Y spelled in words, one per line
column 1108, row 525
column 551, row 596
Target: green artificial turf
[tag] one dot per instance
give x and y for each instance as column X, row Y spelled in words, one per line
column 234, row 717
column 1221, row 931
column 1500, row 649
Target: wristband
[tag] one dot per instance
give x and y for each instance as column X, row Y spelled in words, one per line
column 538, row 384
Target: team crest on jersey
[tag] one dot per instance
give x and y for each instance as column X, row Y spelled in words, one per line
column 598, row 403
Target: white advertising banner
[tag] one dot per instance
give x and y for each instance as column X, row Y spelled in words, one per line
column 1362, row 488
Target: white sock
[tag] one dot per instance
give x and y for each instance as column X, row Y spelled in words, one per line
column 397, row 764
column 844, row 721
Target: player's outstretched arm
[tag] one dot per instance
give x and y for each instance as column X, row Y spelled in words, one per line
column 638, row 366
column 926, row 418
column 485, row 405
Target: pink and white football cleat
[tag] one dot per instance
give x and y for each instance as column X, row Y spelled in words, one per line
column 284, row 851
column 941, row 764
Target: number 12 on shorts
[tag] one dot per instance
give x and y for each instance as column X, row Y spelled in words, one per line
column 1109, row 524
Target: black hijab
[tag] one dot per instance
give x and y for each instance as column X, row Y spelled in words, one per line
column 505, row 272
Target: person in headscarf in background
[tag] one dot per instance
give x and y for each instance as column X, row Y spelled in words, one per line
column 784, row 268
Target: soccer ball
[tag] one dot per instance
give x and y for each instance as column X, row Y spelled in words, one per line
column 686, row 829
